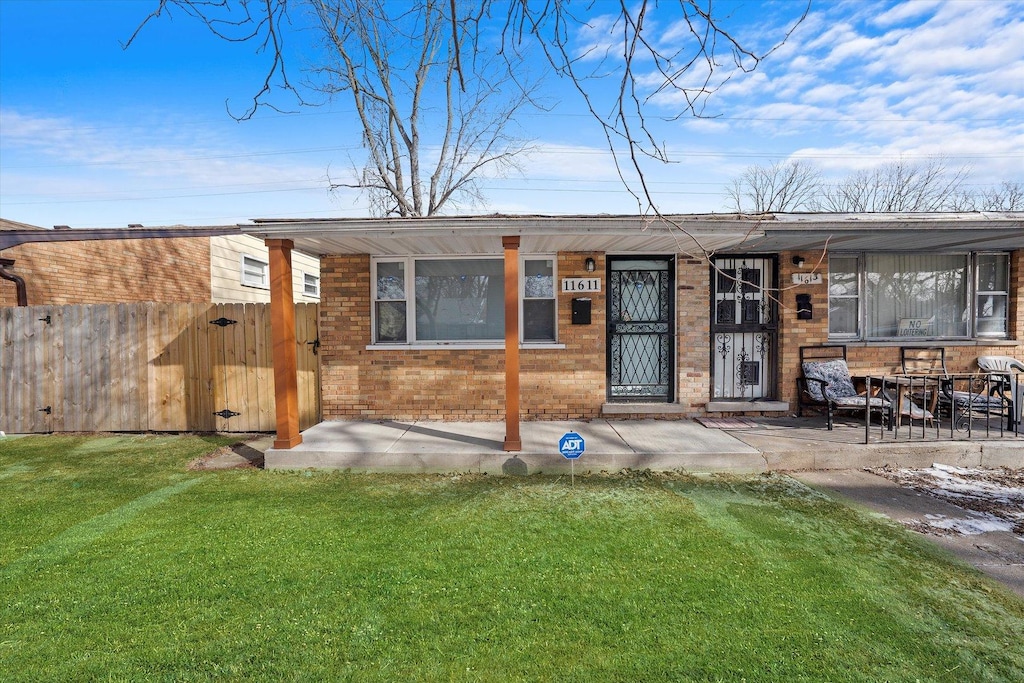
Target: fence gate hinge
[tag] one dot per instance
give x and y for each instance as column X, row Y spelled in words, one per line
column 48, row 410
column 223, row 322
column 316, row 345
column 46, row 319
column 226, row 413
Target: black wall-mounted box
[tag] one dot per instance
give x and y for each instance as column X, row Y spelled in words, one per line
column 581, row 311
column 804, row 310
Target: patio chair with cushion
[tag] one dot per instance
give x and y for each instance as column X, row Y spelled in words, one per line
column 959, row 396
column 825, row 383
column 1006, row 383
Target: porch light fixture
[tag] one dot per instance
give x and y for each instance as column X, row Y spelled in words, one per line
column 798, row 261
column 589, row 265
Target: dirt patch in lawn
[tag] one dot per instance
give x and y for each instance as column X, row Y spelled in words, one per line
column 229, row 457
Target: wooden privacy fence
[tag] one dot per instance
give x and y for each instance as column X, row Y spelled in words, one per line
column 148, row 367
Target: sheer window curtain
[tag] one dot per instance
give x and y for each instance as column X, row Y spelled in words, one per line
column 922, row 287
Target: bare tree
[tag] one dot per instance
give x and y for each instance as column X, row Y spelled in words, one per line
column 894, row 187
column 665, row 57
column 660, row 54
column 1007, row 196
column 780, row 187
column 415, row 169
column 429, row 133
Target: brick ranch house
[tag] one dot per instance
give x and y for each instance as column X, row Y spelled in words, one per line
column 579, row 317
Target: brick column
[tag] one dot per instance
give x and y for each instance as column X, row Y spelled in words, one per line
column 513, row 442
column 282, row 325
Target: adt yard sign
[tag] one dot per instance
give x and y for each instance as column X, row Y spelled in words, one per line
column 571, row 445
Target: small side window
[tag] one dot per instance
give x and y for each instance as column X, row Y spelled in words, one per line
column 389, row 306
column 539, row 309
column 254, row 273
column 310, row 285
column 992, row 295
column 843, row 297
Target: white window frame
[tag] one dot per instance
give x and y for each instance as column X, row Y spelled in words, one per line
column 859, row 297
column 523, row 299
column 306, row 278
column 411, row 340
column 409, row 324
column 978, row 293
column 973, row 296
column 264, row 281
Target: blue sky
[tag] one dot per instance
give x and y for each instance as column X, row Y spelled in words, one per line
column 95, row 136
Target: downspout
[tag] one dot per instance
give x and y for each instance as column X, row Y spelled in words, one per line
column 19, row 282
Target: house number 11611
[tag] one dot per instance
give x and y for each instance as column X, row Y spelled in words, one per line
column 581, row 284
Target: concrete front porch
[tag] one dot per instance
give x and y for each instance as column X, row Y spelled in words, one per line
column 742, row 445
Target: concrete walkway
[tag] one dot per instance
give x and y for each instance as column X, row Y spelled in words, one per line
column 477, row 447
column 758, row 445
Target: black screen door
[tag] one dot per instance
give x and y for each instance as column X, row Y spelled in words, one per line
column 744, row 328
column 640, row 332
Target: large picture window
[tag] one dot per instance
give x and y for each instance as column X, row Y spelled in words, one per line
column 443, row 300
column 460, row 300
column 937, row 296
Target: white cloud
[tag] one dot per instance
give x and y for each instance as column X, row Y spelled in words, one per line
column 159, row 155
column 905, row 11
column 61, row 170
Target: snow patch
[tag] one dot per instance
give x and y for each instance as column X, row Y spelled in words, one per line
column 975, row 523
column 992, row 498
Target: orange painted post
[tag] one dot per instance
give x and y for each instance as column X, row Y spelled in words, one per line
column 282, row 325
column 513, row 442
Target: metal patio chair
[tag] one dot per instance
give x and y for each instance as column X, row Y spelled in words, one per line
column 825, row 383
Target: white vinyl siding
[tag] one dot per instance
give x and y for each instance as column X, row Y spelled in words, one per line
column 226, row 286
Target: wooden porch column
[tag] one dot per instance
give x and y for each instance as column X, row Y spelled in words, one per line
column 513, row 442
column 282, row 327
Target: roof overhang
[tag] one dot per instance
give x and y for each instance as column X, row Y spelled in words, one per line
column 454, row 235
column 893, row 232
column 678, row 234
column 12, row 238
column 682, row 234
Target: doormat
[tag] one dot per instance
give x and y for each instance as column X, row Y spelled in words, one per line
column 727, row 422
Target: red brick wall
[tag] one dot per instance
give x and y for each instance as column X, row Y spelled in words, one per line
column 693, row 346
column 457, row 384
column 795, row 333
column 876, row 358
column 570, row 383
column 175, row 270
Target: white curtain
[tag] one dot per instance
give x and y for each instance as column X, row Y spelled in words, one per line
column 927, row 293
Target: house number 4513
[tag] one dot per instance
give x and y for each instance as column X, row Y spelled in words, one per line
column 581, row 284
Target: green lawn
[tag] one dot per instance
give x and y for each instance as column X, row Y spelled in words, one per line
column 118, row 563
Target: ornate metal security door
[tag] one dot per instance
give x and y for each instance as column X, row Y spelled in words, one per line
column 744, row 328
column 640, row 331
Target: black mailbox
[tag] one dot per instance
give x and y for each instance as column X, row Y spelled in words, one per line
column 581, row 311
column 804, row 310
